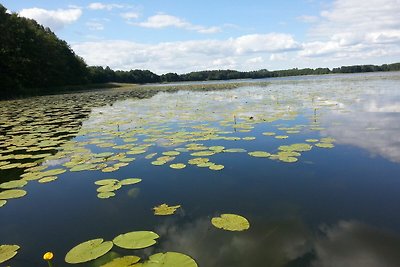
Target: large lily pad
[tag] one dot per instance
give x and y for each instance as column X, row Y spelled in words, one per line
column 231, row 222
column 7, row 252
column 130, row 181
column 13, row 184
column 126, row 261
column 164, row 209
column 12, row 193
column 136, row 240
column 169, row 259
column 88, row 251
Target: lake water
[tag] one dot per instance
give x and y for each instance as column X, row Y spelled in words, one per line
column 333, row 202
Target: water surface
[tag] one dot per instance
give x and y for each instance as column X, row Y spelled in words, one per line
column 332, row 207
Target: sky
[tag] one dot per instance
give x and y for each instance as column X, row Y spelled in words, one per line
column 182, row 36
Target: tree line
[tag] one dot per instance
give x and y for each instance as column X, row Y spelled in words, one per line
column 34, row 61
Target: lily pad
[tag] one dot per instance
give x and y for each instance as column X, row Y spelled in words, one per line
column 259, row 154
column 178, row 166
column 108, row 188
column 169, row 259
column 325, row 145
column 88, row 251
column 13, row 184
column 164, row 209
column 7, row 252
column 136, row 240
column 130, row 181
column 2, row 202
column 106, row 181
column 12, row 193
column 231, row 222
column 104, row 195
column 126, row 261
column 171, row 153
column 47, row 179
column 216, row 167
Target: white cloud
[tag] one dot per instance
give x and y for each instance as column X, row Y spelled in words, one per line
column 265, row 43
column 243, row 53
column 101, row 6
column 54, row 19
column 164, row 20
column 352, row 29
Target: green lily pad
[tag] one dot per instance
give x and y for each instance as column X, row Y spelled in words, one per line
column 126, row 261
column 268, row 133
column 158, row 162
column 235, row 150
column 108, row 188
column 171, row 153
column 53, row 172
column 169, row 259
column 13, row 184
column 231, row 222
column 104, row 195
column 130, row 181
column 2, row 202
column 106, row 181
column 178, row 166
column 259, row 154
column 136, row 240
column 7, row 252
column 216, row 167
column 164, row 209
column 281, row 136
column 12, row 193
column 88, row 251
column 325, row 145
column 47, row 179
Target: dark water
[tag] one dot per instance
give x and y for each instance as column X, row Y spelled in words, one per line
column 333, row 207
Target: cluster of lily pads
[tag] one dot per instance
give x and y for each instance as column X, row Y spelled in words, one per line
column 107, row 187
column 56, row 132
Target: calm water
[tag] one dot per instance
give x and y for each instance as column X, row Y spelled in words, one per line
column 334, row 206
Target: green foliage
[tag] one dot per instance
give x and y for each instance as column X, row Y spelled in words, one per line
column 33, row 59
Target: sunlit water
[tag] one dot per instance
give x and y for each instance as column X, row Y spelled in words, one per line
column 334, row 206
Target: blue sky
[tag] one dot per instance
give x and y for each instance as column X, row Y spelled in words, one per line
column 182, row 36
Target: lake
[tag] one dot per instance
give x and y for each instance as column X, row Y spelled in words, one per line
column 313, row 164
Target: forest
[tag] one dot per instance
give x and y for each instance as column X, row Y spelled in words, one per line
column 34, row 61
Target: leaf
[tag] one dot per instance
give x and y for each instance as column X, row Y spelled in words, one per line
column 164, row 209
column 169, row 259
column 259, row 154
column 126, row 261
column 216, row 167
column 12, row 193
column 13, row 184
column 88, row 251
column 136, row 240
column 7, row 252
column 130, row 181
column 2, row 202
column 231, row 222
column 325, row 145
column 104, row 195
column 106, row 182
column 177, row 166
column 48, row 179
